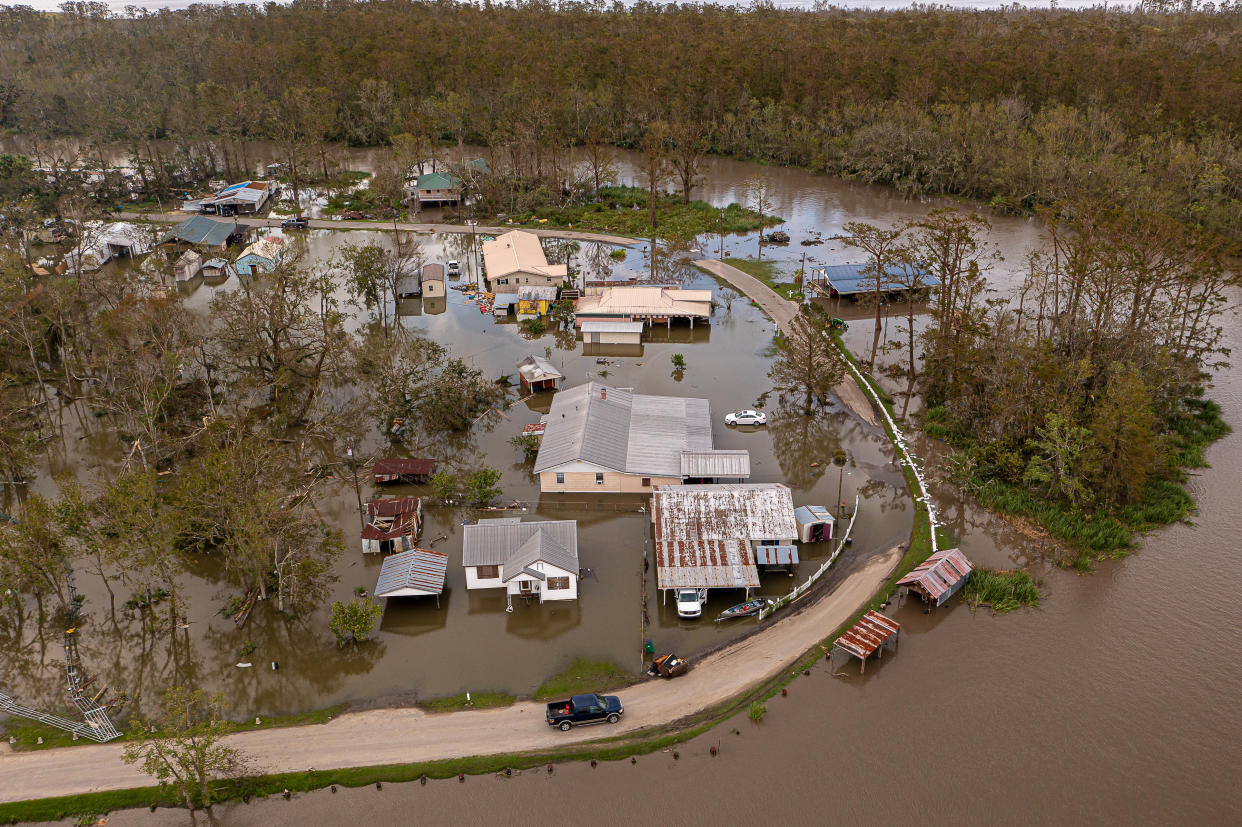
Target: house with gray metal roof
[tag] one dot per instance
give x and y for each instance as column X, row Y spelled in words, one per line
column 201, row 232
column 418, row 572
column 537, row 560
column 612, row 440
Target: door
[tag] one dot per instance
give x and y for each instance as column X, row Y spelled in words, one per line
column 525, row 586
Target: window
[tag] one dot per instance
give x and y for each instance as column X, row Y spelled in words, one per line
column 646, row 482
column 599, row 477
column 557, row 583
column 560, row 477
column 487, row 572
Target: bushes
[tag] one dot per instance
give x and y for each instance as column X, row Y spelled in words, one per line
column 354, row 621
column 1001, row 591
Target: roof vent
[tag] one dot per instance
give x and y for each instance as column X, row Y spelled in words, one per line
column 603, row 393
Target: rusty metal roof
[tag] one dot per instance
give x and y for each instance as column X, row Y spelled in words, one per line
column 705, row 564
column 755, row 511
column 407, row 467
column 392, row 517
column 776, row 555
column 418, row 570
column 939, row 575
column 868, row 634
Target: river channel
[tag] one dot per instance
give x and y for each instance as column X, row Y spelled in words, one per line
column 1115, row 700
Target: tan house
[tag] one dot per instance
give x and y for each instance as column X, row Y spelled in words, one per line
column 650, row 304
column 612, row 440
column 433, row 281
column 516, row 260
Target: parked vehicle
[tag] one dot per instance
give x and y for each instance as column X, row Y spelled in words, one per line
column 690, row 602
column 746, row 417
column 747, row 609
column 296, row 223
column 668, row 666
column 353, row 215
column 454, row 268
column 778, row 237
column 838, row 324
column 584, row 709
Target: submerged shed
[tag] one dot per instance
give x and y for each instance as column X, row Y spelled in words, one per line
column 402, row 470
column 814, row 523
column 418, row 572
column 867, row 637
column 538, row 374
column 432, row 280
column 187, row 266
column 392, row 524
column 939, row 577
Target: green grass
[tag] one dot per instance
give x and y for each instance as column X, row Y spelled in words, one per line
column 583, row 675
column 1001, row 591
column 28, row 733
column 757, row 710
column 478, row 700
column 674, row 220
column 767, row 273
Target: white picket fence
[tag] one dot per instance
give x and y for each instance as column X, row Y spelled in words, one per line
column 800, row 590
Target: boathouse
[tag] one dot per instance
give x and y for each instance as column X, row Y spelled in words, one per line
column 516, row 259
column 832, row 281
column 869, row 635
column 939, row 577
column 538, row 374
column 418, row 572
column 612, row 440
column 392, row 525
column 527, row 560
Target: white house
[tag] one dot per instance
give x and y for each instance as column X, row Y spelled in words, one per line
column 516, row 259
column 538, row 559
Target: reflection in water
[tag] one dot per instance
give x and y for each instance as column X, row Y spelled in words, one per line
column 415, row 615
column 611, row 350
column 546, row 621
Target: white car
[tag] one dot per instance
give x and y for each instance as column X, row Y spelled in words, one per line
column 746, row 418
column 689, row 603
column 454, row 268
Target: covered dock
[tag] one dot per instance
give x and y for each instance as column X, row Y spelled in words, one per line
column 705, row 564
column 939, row 577
column 418, row 572
column 832, row 281
column 402, row 470
column 869, row 635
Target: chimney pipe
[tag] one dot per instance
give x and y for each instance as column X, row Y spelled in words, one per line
column 603, row 393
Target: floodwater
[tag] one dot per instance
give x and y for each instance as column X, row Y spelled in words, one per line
column 1115, row 701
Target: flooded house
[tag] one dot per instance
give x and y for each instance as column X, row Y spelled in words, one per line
column 244, row 198
column 418, row 572
column 101, row 243
column 516, row 259
column 263, row 256
column 834, row 281
column 527, row 560
column 189, row 265
column 434, row 189
column 600, row 439
column 410, row 286
column 534, row 300
column 538, row 374
column 431, row 281
column 710, row 536
column 215, row 268
column 649, row 304
column 392, row 525
column 606, row 332
column 204, row 234
column 939, row 577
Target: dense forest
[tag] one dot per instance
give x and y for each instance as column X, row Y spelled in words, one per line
column 1016, row 107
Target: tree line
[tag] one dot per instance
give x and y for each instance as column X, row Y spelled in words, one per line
column 1018, row 107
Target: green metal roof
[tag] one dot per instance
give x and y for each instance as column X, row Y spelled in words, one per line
column 437, row 181
column 201, row 230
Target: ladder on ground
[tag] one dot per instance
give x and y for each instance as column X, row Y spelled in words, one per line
column 97, row 726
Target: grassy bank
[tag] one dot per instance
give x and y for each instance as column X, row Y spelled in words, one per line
column 28, row 733
column 767, row 273
column 583, row 675
column 478, row 700
column 1001, row 591
column 1108, row 532
column 623, row 211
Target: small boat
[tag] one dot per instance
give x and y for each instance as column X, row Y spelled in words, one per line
column 747, row 609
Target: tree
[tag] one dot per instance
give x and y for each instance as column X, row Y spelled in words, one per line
column 601, row 157
column 1061, row 460
column 183, row 749
column 354, row 621
column 481, row 486
column 37, row 551
column 760, row 197
column 881, row 246
column 373, row 274
column 689, row 141
column 809, row 363
column 653, row 165
column 528, row 444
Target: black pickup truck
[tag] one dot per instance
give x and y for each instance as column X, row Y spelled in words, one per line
column 584, row 709
column 297, row 223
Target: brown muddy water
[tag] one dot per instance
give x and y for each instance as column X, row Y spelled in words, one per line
column 1115, row 701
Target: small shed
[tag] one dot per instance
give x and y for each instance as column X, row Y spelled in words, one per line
column 538, row 374
column 503, row 304
column 392, row 525
column 534, row 300
column 612, row 333
column 939, row 577
column 409, row 286
column 188, row 266
column 815, row 523
column 867, row 637
column 418, row 572
column 215, row 268
column 433, row 280
column 402, row 470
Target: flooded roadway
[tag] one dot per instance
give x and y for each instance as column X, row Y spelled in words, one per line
column 1115, row 701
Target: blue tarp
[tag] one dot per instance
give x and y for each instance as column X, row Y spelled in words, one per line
column 851, row 279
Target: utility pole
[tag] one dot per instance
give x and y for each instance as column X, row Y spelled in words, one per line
column 353, row 472
column 722, row 212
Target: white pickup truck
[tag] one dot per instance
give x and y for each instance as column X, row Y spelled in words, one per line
column 690, row 602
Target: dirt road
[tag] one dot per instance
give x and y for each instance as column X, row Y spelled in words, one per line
column 322, row 224
column 782, row 311
column 384, row 736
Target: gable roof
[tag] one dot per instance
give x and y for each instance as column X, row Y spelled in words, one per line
column 269, row 248
column 624, row 431
column 646, row 300
column 718, row 463
column 754, row 511
column 542, row 547
column 432, row 272
column 518, row 252
column 538, row 369
column 200, row 229
column 419, row 569
column 497, row 542
column 437, row 181
column 940, row 575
